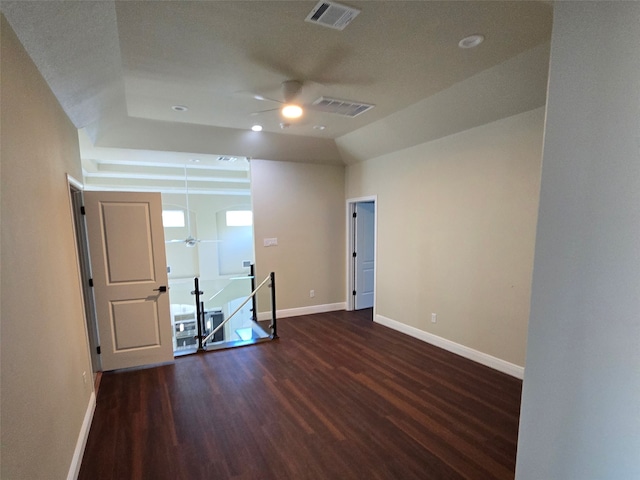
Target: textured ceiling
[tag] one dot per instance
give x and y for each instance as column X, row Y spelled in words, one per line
column 118, row 67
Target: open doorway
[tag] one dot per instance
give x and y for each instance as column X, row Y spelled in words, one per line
column 220, row 257
column 361, row 248
column 199, row 191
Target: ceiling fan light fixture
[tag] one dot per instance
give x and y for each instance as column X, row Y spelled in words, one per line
column 291, row 111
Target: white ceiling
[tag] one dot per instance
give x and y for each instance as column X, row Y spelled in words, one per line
column 118, row 67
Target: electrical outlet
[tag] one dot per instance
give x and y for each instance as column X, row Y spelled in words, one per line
column 312, row 293
column 434, row 318
column 84, row 377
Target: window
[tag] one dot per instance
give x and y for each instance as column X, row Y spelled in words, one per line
column 239, row 218
column 173, row 218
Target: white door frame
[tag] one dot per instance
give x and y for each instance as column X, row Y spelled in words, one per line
column 351, row 203
column 84, row 274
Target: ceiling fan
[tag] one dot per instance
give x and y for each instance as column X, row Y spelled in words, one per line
column 292, row 107
column 190, row 241
column 304, row 89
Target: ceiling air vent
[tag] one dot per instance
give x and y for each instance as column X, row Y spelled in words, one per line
column 345, row 108
column 224, row 158
column 332, row 15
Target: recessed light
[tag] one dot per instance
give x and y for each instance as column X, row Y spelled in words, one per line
column 194, row 160
column 179, row 108
column 257, row 128
column 471, row 41
column 319, row 127
column 291, row 111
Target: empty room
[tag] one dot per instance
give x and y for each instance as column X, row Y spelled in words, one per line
column 301, row 239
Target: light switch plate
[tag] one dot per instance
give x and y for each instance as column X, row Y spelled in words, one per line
column 270, row 242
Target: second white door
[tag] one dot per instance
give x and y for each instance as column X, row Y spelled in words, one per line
column 364, row 259
column 128, row 262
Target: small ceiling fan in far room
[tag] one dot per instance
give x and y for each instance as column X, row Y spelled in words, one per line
column 190, row 241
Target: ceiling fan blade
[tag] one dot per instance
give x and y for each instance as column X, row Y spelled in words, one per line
column 264, row 111
column 266, row 99
column 256, row 96
column 332, row 66
column 193, row 242
column 174, row 241
column 266, row 60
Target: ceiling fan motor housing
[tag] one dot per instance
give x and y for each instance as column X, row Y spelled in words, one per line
column 291, row 89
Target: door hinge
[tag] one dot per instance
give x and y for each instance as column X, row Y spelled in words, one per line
column 354, row 293
column 354, row 254
column 98, row 349
column 91, row 282
column 82, row 210
column 355, row 214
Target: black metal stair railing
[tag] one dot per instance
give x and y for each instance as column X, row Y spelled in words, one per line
column 211, row 337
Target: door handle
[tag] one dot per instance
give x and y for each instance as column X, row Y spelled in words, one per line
column 161, row 289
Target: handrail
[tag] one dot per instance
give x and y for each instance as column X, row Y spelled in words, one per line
column 215, row 330
column 223, row 288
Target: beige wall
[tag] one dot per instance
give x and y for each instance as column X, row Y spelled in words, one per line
column 44, row 348
column 302, row 205
column 456, row 230
column 581, row 394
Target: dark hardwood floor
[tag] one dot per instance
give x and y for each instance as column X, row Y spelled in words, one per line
column 337, row 397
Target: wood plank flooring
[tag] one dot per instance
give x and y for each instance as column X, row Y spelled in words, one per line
column 337, row 397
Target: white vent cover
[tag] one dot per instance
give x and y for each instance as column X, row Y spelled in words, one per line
column 346, row 108
column 332, row 15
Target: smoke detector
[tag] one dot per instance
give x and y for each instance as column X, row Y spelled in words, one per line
column 332, row 15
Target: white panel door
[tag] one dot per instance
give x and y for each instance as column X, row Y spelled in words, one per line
column 365, row 254
column 128, row 262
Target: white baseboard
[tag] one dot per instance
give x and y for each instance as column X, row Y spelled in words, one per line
column 74, row 469
column 453, row 347
column 294, row 312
